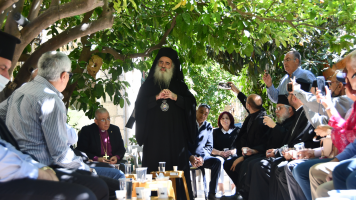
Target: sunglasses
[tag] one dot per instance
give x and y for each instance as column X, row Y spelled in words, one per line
column 204, row 104
column 70, row 74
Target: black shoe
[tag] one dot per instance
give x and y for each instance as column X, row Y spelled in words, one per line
column 211, row 196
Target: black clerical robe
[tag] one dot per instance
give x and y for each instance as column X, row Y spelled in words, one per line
column 263, row 172
column 253, row 134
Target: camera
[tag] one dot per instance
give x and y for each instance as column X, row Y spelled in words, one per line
column 224, row 86
column 289, row 87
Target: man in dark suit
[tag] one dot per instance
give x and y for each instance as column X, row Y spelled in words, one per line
column 200, row 151
column 102, row 141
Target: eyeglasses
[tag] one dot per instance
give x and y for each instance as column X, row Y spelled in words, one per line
column 287, row 60
column 204, row 104
column 331, row 82
column 104, row 120
column 70, row 74
column 280, row 107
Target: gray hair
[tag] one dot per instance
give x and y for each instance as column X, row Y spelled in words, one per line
column 100, row 111
column 51, row 64
column 296, row 55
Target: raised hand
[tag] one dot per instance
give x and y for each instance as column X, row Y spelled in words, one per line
column 267, row 79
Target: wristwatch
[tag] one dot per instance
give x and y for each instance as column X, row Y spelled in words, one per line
column 48, row 168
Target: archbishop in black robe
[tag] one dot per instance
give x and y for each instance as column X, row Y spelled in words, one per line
column 165, row 126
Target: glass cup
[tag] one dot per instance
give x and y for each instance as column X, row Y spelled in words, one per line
column 162, row 192
column 149, row 177
column 146, row 194
column 128, row 188
column 122, row 183
column 139, row 192
column 175, row 168
column 127, row 168
column 141, row 174
column 162, row 166
column 120, row 194
column 244, row 149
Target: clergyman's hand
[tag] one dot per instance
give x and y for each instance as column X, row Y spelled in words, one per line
column 267, row 79
column 47, row 174
column 269, row 122
column 102, row 159
column 113, row 160
column 160, row 95
column 170, row 95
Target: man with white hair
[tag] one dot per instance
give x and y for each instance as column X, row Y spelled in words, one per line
column 165, row 116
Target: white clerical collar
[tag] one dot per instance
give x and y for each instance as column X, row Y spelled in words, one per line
column 198, row 125
column 102, row 131
column 298, row 108
column 227, row 132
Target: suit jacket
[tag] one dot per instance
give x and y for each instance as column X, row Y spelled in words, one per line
column 89, row 141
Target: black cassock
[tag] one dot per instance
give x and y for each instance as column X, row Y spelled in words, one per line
column 164, row 127
column 263, row 183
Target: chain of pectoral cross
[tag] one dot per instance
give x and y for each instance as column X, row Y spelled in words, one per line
column 106, row 154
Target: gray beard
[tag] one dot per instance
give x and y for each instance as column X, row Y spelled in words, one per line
column 163, row 79
column 282, row 118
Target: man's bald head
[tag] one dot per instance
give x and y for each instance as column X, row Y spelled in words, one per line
column 255, row 101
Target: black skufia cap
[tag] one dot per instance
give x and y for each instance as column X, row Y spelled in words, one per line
column 283, row 99
column 7, row 45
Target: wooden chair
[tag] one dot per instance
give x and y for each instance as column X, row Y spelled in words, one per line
column 172, row 176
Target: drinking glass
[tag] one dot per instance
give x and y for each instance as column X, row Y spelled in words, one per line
column 127, row 168
column 162, row 166
column 141, row 174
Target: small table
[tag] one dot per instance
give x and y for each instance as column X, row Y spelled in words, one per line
column 153, row 185
column 172, row 176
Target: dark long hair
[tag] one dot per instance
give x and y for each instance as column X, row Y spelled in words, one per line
column 232, row 121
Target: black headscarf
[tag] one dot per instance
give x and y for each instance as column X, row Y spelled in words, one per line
column 149, row 89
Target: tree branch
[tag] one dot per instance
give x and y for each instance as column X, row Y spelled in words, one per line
column 59, row 40
column 54, row 3
column 4, row 4
column 35, row 9
column 119, row 56
column 3, row 15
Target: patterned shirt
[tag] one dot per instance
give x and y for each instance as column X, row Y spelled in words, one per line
column 344, row 131
column 36, row 116
column 282, row 88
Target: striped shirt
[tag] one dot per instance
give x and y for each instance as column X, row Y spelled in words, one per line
column 36, row 116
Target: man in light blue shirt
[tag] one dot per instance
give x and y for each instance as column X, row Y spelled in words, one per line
column 292, row 61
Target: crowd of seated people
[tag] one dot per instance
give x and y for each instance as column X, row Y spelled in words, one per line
column 309, row 150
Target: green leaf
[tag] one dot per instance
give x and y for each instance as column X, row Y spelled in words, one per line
column 81, row 82
column 99, row 89
column 109, row 89
column 289, row 16
column 206, row 19
column 312, row 14
column 122, row 102
column 186, row 18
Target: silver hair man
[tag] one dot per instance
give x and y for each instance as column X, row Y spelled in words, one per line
column 52, row 64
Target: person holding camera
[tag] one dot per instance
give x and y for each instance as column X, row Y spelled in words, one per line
column 291, row 62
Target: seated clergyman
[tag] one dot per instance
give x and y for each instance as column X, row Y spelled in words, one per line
column 102, row 141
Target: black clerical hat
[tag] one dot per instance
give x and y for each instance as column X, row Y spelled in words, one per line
column 304, row 84
column 283, row 99
column 7, row 45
